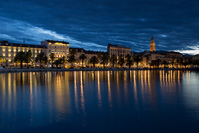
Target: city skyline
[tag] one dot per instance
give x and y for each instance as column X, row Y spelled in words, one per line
column 93, row 24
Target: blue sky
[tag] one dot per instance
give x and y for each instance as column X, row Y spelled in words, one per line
column 92, row 24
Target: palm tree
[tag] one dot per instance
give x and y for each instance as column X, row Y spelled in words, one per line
column 1, row 59
column 63, row 60
column 52, row 57
column 121, row 61
column 71, row 59
column 94, row 60
column 57, row 62
column 165, row 63
column 40, row 57
column 187, row 61
column 104, row 58
column 113, row 59
column 20, row 57
column 152, row 63
column 82, row 57
column 28, row 57
column 129, row 60
column 173, row 61
column 137, row 59
column 147, row 59
column 157, row 62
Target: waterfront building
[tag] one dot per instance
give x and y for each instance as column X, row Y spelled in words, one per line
column 9, row 50
column 118, row 50
column 152, row 45
column 59, row 48
column 77, row 51
column 89, row 54
column 174, row 55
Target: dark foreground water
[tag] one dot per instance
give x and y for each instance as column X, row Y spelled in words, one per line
column 120, row 101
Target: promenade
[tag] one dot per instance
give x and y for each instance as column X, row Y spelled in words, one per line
column 88, row 69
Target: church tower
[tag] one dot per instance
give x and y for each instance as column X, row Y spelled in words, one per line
column 152, row 45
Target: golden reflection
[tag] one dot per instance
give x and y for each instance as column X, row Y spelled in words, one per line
column 125, row 89
column 82, row 91
column 9, row 91
column 99, row 90
column 59, row 93
column 31, row 97
column 109, row 89
column 135, row 86
column 75, row 90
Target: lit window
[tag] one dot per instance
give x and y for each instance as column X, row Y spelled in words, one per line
column 3, row 49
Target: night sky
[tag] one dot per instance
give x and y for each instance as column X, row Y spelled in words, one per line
column 92, row 24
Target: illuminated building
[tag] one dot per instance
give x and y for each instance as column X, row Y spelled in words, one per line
column 118, row 50
column 9, row 50
column 89, row 54
column 152, row 45
column 59, row 48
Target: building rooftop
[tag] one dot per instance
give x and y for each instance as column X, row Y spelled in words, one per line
column 118, row 46
column 77, row 49
column 95, row 52
column 53, row 41
column 6, row 43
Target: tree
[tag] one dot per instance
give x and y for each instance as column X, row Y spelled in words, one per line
column 129, row 60
column 147, row 59
column 41, row 57
column 94, row 60
column 20, row 57
column 57, row 62
column 104, row 59
column 82, row 57
column 187, row 61
column 137, row 59
column 1, row 59
column 165, row 63
column 52, row 57
column 63, row 60
column 28, row 57
column 113, row 59
column 152, row 63
column 173, row 61
column 157, row 63
column 71, row 59
column 121, row 61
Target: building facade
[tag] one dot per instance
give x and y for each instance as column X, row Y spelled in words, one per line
column 59, row 48
column 89, row 54
column 9, row 50
column 118, row 50
column 152, row 45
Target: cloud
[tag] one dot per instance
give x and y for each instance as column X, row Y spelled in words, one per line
column 33, row 34
column 191, row 50
column 6, row 37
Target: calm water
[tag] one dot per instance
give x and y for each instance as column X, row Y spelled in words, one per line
column 124, row 101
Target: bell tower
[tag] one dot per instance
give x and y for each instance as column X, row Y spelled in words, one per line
column 152, row 45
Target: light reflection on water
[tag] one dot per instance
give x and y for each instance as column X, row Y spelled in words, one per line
column 99, row 101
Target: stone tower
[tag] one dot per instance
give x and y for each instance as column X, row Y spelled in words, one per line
column 152, row 45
